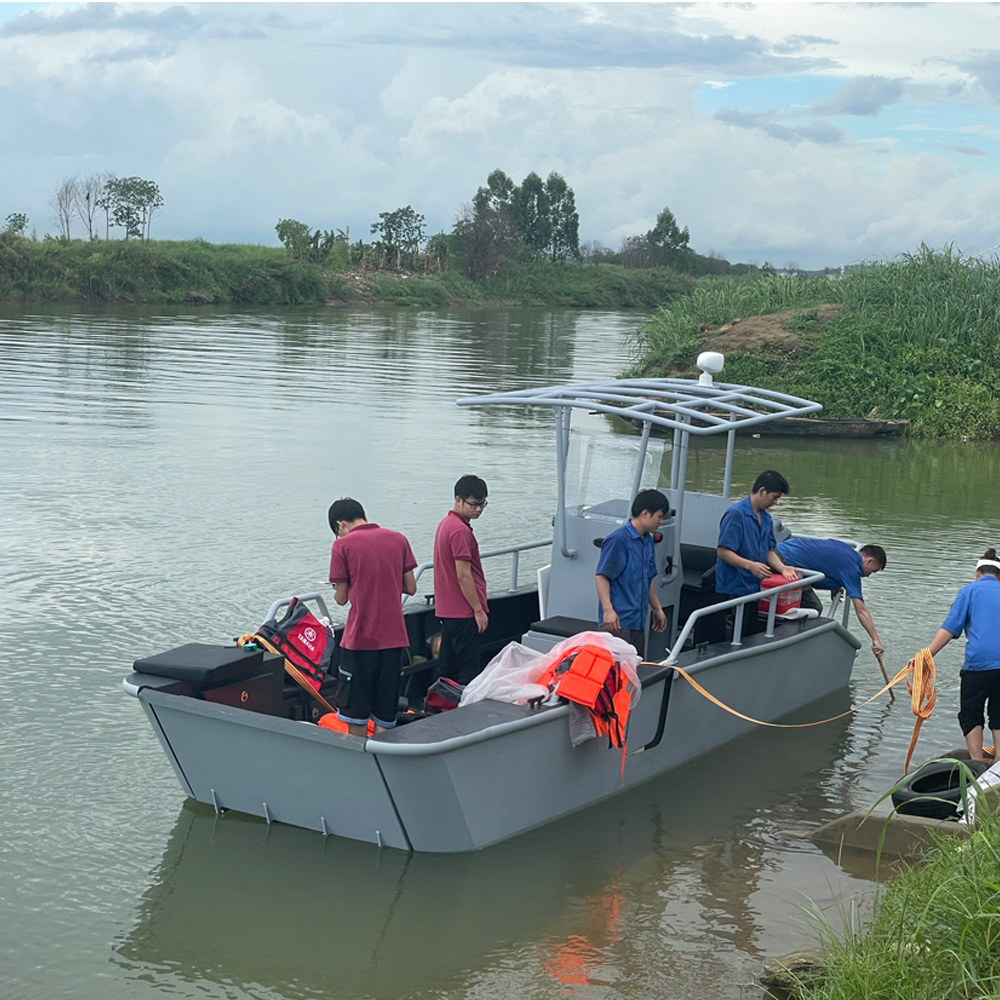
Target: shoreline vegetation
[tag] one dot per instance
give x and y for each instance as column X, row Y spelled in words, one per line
column 916, row 338
column 934, row 930
column 199, row 273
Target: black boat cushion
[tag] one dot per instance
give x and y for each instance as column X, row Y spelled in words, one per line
column 563, row 626
column 203, row 663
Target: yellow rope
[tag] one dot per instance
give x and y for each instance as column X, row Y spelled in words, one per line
column 919, row 674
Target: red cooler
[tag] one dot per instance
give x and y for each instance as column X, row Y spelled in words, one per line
column 786, row 602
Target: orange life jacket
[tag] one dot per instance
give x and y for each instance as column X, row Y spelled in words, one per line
column 594, row 680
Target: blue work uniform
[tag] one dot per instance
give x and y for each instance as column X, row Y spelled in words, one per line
column 976, row 610
column 628, row 561
column 839, row 562
column 740, row 531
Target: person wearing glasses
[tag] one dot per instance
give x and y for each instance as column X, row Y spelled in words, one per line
column 459, row 584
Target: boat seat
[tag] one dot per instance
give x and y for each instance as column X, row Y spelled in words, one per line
column 564, row 627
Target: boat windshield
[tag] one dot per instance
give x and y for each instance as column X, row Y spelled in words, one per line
column 600, row 465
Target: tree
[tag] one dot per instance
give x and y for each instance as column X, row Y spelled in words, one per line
column 564, row 222
column 88, row 198
column 668, row 243
column 399, row 232
column 295, row 237
column 486, row 239
column 130, row 202
column 634, row 252
column 64, row 204
column 498, row 195
column 16, row 223
column 531, row 211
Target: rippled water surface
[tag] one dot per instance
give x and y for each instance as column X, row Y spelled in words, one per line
column 165, row 476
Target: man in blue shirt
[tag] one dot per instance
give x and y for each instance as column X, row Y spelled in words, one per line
column 976, row 611
column 746, row 549
column 843, row 568
column 626, row 570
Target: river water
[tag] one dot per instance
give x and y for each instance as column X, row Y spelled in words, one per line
column 165, row 475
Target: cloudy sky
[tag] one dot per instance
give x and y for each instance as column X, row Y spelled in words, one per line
column 815, row 133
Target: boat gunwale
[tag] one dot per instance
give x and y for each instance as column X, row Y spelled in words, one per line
column 693, row 662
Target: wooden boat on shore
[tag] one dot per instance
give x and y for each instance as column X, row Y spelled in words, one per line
column 243, row 739
column 843, row 427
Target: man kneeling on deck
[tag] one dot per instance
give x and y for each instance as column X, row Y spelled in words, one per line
column 843, row 568
column 372, row 568
column 626, row 570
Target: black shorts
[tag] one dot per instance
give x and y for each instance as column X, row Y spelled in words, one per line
column 368, row 686
column 459, row 657
column 978, row 686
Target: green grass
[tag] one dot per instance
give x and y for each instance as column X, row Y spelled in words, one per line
column 916, row 338
column 194, row 271
column 672, row 334
column 161, row 271
column 934, row 933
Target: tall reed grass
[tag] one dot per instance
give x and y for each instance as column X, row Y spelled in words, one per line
column 916, row 338
column 935, row 930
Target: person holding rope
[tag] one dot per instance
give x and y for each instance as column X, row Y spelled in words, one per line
column 843, row 568
column 976, row 611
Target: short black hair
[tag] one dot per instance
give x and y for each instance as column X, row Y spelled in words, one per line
column 345, row 509
column 650, row 500
column 876, row 552
column 471, row 486
column 771, row 482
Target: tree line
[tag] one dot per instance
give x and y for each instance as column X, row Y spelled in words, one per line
column 504, row 224
column 126, row 203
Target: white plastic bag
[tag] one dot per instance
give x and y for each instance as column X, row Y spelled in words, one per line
column 505, row 676
column 512, row 675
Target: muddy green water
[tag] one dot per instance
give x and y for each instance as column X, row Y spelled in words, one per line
column 165, row 476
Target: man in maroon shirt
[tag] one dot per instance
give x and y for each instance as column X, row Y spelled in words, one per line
column 371, row 567
column 459, row 583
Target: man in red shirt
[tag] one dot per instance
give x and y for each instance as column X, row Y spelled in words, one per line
column 459, row 583
column 371, row 567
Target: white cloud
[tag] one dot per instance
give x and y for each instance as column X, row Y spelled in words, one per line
column 333, row 113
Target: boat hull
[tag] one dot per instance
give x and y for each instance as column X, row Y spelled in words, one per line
column 486, row 772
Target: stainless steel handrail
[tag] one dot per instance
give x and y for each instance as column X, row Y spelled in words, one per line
column 282, row 602
column 510, row 550
column 739, row 603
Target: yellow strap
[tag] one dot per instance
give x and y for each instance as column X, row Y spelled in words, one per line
column 290, row 668
column 922, row 663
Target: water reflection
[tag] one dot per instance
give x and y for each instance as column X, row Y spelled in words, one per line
column 166, row 474
column 585, row 901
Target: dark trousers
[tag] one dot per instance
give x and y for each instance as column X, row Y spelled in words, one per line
column 635, row 637
column 752, row 622
column 459, row 658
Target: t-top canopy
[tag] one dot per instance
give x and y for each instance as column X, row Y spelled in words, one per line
column 677, row 403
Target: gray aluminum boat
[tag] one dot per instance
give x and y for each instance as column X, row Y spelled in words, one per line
column 481, row 773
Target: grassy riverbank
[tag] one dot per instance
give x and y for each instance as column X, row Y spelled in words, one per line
column 917, row 338
column 934, row 932
column 196, row 272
